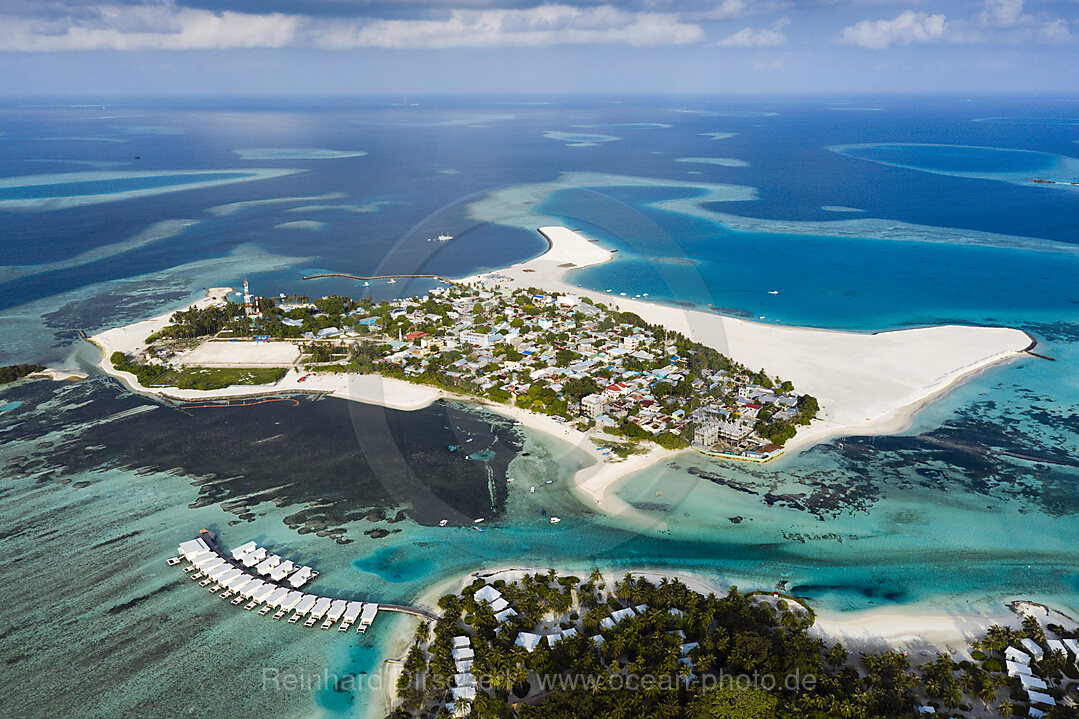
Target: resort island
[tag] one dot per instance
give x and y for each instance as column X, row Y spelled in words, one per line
column 532, row 643
column 537, row 644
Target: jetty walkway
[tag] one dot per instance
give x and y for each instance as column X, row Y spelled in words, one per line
column 440, row 278
column 254, row 578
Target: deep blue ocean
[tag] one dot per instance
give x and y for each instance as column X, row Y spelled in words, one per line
column 861, row 214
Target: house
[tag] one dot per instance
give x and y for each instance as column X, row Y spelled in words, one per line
column 487, row 593
column 1030, row 682
column 1015, row 668
column 593, row 405
column 1039, row 698
column 528, row 641
column 1016, row 655
column 616, row 390
column 707, row 434
column 1031, row 647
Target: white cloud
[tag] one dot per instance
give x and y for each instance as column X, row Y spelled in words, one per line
column 767, row 37
column 163, row 25
column 996, row 22
column 907, row 28
column 147, row 27
column 534, row 27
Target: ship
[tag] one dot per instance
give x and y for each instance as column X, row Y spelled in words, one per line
column 555, row 520
column 444, row 237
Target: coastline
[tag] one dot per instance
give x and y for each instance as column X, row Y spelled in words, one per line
column 865, row 383
column 908, row 629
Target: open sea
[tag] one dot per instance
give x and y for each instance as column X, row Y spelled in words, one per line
column 864, row 215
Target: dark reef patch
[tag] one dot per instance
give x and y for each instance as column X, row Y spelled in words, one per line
column 341, row 461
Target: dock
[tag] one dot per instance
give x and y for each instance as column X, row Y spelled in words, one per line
column 440, row 278
column 255, row 579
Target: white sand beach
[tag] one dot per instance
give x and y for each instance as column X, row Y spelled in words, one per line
column 908, row 629
column 865, row 383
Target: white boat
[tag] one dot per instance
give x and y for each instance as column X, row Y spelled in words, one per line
column 774, row 292
column 444, row 522
column 393, row 281
column 477, row 521
column 443, row 237
column 366, row 284
column 549, row 481
column 532, row 489
column 555, row 520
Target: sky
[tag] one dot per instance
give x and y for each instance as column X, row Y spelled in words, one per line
column 146, row 48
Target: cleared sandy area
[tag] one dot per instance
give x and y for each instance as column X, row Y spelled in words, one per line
column 243, row 354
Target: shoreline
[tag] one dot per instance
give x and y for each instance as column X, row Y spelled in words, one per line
column 882, row 628
column 866, row 383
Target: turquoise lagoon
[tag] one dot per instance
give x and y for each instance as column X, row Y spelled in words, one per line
column 906, row 522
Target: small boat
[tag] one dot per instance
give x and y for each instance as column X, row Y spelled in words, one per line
column 469, row 439
column 511, row 479
column 479, row 529
column 622, row 293
column 453, row 447
column 774, row 292
column 555, row 520
column 392, row 281
column 644, row 294
column 549, row 481
column 444, row 237
column 532, row 489
column 477, row 521
column 444, row 522
column 366, row 284
column 543, row 512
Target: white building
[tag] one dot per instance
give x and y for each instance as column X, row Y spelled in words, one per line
column 593, row 405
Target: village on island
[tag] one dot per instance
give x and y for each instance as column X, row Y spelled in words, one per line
column 558, row 354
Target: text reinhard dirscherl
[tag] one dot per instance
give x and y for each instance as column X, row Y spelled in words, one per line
column 282, row 679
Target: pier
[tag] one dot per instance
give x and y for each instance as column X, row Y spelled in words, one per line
column 254, row 578
column 440, row 278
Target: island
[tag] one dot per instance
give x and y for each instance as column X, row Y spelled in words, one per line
column 532, row 643
column 628, row 380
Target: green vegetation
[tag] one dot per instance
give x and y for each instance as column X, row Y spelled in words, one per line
column 144, row 373
column 680, row 655
column 218, row 377
column 779, row 431
column 18, row 371
column 196, row 322
column 619, row 449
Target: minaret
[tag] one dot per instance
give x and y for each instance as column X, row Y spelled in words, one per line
column 247, row 296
